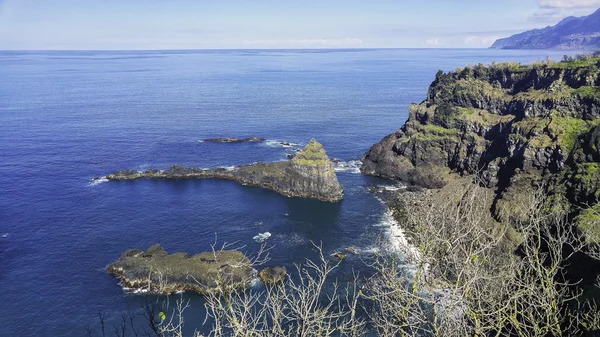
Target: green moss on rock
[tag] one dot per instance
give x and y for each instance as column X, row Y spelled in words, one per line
column 589, row 223
column 482, row 117
column 313, row 154
column 588, row 92
column 588, row 175
column 566, row 130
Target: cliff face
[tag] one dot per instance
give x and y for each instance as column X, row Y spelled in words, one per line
column 571, row 33
column 513, row 126
column 310, row 175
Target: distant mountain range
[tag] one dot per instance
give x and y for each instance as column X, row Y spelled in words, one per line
column 570, row 33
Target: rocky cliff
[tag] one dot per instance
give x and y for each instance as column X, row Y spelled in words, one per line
column 310, row 174
column 513, row 126
column 570, row 33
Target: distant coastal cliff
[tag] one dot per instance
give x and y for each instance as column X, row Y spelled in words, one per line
column 310, row 174
column 570, row 33
column 514, row 127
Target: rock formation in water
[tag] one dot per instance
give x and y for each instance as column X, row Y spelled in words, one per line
column 570, row 33
column 514, row 127
column 157, row 271
column 310, row 174
column 234, row 140
column 273, row 275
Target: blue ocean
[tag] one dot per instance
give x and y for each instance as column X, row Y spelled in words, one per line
column 67, row 117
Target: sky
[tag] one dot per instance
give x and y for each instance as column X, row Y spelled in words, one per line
column 256, row 24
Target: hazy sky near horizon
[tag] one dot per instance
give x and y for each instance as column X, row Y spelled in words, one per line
column 199, row 24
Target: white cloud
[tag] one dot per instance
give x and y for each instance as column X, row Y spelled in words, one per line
column 344, row 42
column 552, row 11
column 480, row 41
column 434, row 41
column 569, row 3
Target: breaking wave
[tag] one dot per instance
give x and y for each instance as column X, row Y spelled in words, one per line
column 262, row 237
column 352, row 166
column 281, row 144
column 97, row 181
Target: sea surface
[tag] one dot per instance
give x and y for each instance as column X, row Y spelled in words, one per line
column 67, row 117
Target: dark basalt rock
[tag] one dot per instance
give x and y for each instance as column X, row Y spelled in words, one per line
column 310, row 174
column 273, row 275
column 233, row 140
column 164, row 273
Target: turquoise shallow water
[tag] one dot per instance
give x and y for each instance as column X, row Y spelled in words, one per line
column 66, row 117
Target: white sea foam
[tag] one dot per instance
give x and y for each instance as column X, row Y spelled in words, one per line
column 134, row 290
column 255, row 282
column 352, row 166
column 97, row 181
column 279, row 143
column 396, row 238
column 5, row 235
column 262, row 237
column 391, row 187
column 369, row 250
column 292, row 239
column 228, row 168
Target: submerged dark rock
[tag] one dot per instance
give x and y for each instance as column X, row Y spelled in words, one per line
column 160, row 272
column 234, row 140
column 310, row 174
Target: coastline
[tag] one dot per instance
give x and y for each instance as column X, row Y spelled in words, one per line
column 397, row 240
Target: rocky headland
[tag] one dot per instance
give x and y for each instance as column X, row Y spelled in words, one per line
column 310, row 174
column 570, row 33
column 512, row 126
column 157, row 271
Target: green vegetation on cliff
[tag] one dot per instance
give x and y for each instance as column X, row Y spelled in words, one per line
column 514, row 126
column 313, row 154
column 589, row 223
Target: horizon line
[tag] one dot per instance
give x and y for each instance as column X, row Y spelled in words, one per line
column 292, row 48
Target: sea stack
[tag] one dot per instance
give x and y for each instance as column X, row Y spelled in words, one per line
column 310, row 174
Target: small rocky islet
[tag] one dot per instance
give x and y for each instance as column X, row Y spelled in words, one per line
column 157, row 271
column 310, row 174
column 234, row 140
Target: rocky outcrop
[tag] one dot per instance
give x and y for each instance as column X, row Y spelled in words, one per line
column 310, row 174
column 570, row 33
column 273, row 275
column 234, row 140
column 513, row 126
column 157, row 271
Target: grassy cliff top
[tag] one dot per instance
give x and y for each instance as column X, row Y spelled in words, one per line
column 568, row 62
column 577, row 77
column 313, row 154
